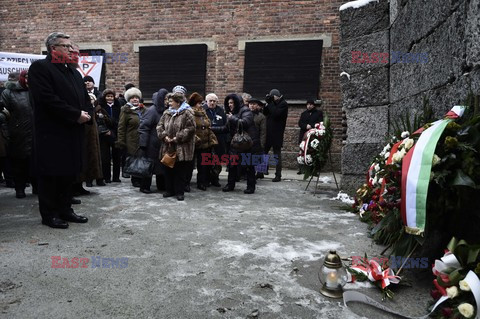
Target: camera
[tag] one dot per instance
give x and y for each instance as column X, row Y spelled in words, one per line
column 269, row 98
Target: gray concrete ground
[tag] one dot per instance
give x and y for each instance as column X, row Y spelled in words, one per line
column 215, row 255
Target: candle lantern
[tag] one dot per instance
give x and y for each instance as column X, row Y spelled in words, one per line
column 332, row 275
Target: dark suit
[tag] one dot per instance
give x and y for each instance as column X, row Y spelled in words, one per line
column 112, row 154
column 58, row 96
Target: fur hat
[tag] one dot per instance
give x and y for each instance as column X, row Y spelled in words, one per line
column 131, row 92
column 108, row 91
column 194, row 99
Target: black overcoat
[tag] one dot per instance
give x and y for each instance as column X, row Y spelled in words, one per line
column 58, row 96
column 311, row 117
column 276, row 113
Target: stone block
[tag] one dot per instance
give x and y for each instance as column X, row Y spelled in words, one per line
column 357, row 157
column 367, row 125
column 350, row 183
column 365, row 20
column 446, row 59
column 417, row 19
column 366, row 88
column 377, row 42
column 472, row 35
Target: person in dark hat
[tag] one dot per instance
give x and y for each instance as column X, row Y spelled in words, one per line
column 256, row 106
column 308, row 119
column 276, row 112
column 90, row 85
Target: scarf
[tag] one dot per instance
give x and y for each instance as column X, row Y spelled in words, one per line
column 173, row 111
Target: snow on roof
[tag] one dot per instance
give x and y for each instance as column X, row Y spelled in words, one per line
column 355, row 4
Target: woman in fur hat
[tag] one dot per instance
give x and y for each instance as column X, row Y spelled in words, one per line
column 176, row 130
column 205, row 139
column 128, row 124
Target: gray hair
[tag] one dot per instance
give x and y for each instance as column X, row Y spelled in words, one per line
column 52, row 39
column 246, row 96
column 211, row 96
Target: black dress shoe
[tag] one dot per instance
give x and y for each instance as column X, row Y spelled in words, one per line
column 228, row 188
column 108, row 181
column 167, row 194
column 83, row 191
column 187, row 188
column 145, row 190
column 259, row 176
column 215, row 183
column 125, row 175
column 55, row 223
column 20, row 194
column 89, row 184
column 202, row 187
column 180, row 197
column 75, row 201
column 249, row 191
column 74, row 218
column 117, row 180
column 277, row 179
column 100, row 182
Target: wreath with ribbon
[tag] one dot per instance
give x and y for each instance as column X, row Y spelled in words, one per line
column 313, row 153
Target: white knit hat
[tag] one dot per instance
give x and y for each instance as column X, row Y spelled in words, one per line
column 179, row 89
column 131, row 92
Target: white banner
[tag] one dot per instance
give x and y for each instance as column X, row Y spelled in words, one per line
column 17, row 62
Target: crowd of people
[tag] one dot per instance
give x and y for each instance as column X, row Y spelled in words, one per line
column 57, row 132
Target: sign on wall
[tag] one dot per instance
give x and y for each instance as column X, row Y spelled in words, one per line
column 17, row 62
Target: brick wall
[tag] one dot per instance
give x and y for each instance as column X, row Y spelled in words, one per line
column 25, row 24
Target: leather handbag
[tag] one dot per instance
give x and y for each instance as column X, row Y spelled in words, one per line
column 169, row 158
column 241, row 141
column 138, row 166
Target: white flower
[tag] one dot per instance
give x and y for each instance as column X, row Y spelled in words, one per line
column 387, row 147
column 452, row 292
column 405, row 134
column 466, row 310
column 300, row 160
column 377, row 167
column 314, row 144
column 408, row 143
column 308, row 159
column 380, row 181
column 375, row 180
column 387, row 155
column 302, row 145
column 320, row 132
column 436, row 159
column 464, row 285
column 398, row 156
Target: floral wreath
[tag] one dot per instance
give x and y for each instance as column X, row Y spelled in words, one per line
column 314, row 148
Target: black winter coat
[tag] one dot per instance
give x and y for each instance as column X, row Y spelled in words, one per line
column 311, row 117
column 219, row 127
column 243, row 115
column 148, row 138
column 58, row 96
column 20, row 124
column 115, row 110
column 276, row 113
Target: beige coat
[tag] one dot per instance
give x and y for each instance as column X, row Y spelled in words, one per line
column 182, row 126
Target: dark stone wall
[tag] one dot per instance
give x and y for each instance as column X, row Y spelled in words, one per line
column 447, row 31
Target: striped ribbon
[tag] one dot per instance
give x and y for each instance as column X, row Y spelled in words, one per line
column 416, row 170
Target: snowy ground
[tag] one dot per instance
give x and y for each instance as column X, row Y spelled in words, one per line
column 215, row 255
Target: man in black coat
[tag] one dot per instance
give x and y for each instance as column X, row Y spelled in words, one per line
column 307, row 121
column 61, row 106
column 276, row 112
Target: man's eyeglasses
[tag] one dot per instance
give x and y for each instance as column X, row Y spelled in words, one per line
column 67, row 46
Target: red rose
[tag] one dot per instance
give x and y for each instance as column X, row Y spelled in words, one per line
column 447, row 312
column 435, row 294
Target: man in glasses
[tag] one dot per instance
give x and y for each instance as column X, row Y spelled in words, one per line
column 61, row 107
